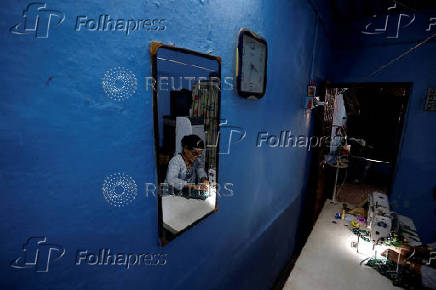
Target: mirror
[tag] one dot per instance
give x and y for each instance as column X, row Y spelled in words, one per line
column 186, row 107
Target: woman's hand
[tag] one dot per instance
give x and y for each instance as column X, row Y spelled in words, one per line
column 404, row 250
column 400, row 256
column 204, row 184
column 194, row 186
column 395, row 257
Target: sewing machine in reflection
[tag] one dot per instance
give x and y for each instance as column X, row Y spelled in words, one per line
column 190, row 193
column 195, row 194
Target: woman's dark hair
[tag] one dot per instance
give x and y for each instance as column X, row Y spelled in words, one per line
column 192, row 141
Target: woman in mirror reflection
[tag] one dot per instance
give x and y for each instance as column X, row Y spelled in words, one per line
column 186, row 171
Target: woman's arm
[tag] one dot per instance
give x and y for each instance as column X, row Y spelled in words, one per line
column 174, row 168
column 427, row 274
column 199, row 166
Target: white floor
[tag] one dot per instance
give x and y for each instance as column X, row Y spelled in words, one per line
column 328, row 261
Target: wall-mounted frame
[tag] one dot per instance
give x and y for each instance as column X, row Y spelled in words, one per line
column 430, row 102
column 251, row 64
column 176, row 115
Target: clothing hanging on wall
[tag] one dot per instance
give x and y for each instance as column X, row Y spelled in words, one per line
column 205, row 104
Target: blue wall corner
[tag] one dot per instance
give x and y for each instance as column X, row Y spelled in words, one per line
column 61, row 136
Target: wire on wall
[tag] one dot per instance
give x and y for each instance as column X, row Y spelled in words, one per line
column 400, row 56
column 182, row 63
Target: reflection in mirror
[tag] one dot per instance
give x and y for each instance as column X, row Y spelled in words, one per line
column 187, row 96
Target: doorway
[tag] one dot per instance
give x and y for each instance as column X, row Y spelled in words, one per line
column 366, row 123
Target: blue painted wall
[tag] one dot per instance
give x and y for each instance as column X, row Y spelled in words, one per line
column 60, row 136
column 356, row 56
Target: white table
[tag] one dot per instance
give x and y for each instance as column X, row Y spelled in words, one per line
column 328, row 261
column 179, row 212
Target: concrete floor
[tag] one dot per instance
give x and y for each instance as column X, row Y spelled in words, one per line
column 328, row 261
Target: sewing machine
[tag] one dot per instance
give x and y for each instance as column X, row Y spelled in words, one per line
column 379, row 217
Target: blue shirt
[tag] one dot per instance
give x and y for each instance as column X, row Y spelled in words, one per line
column 178, row 175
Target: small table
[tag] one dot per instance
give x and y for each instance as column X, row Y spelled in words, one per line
column 179, row 212
column 339, row 164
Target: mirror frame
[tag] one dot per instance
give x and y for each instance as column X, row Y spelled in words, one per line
column 154, row 47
